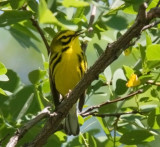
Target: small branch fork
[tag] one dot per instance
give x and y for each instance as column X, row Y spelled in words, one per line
column 88, row 111
column 36, row 25
column 111, row 53
column 20, row 132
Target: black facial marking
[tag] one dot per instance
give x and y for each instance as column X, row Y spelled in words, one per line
column 65, row 48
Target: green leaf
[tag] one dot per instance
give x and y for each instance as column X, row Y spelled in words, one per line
column 153, row 56
column 2, row 91
column 55, row 139
column 23, row 103
column 98, row 48
column 37, row 95
column 154, row 119
column 153, row 52
column 104, row 127
column 108, row 74
column 50, row 31
column 4, row 4
column 132, row 7
column 16, row 4
column 24, row 30
column 3, row 69
column 79, row 13
column 36, row 75
column 33, row 5
column 145, row 78
column 97, row 85
column 46, row 16
column 80, row 120
column 128, row 71
column 147, row 108
column 152, row 4
column 46, row 65
column 158, row 120
column 143, row 53
column 22, row 39
column 46, row 86
column 112, row 22
column 148, row 39
column 136, row 137
column 3, row 78
column 25, row 107
column 151, row 118
column 9, row 17
column 121, row 87
column 62, row 136
column 13, row 82
column 74, row 3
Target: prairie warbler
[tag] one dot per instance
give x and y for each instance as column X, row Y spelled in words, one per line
column 67, row 66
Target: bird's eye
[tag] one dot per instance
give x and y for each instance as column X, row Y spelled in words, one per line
column 64, row 37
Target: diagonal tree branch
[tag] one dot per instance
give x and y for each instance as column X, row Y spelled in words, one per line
column 111, row 53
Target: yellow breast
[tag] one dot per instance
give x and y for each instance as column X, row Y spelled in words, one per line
column 67, row 73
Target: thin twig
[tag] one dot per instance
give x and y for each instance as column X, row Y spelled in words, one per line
column 151, row 25
column 90, row 28
column 92, row 17
column 95, row 113
column 36, row 25
column 110, row 102
column 153, row 82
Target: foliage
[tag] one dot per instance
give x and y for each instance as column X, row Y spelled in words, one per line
column 21, row 102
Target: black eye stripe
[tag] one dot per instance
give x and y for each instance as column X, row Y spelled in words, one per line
column 65, row 37
column 65, row 42
column 64, row 49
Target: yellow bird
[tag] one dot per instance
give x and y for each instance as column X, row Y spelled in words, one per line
column 67, row 65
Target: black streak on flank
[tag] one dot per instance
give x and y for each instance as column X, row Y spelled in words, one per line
column 79, row 58
column 80, row 66
column 57, row 61
column 53, row 58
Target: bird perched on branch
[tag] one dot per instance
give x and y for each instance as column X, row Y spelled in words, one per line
column 67, row 66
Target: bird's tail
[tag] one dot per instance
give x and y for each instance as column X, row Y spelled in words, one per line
column 71, row 125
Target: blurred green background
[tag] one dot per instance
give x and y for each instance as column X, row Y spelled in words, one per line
column 21, row 59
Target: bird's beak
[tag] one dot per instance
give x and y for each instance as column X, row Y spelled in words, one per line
column 79, row 32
